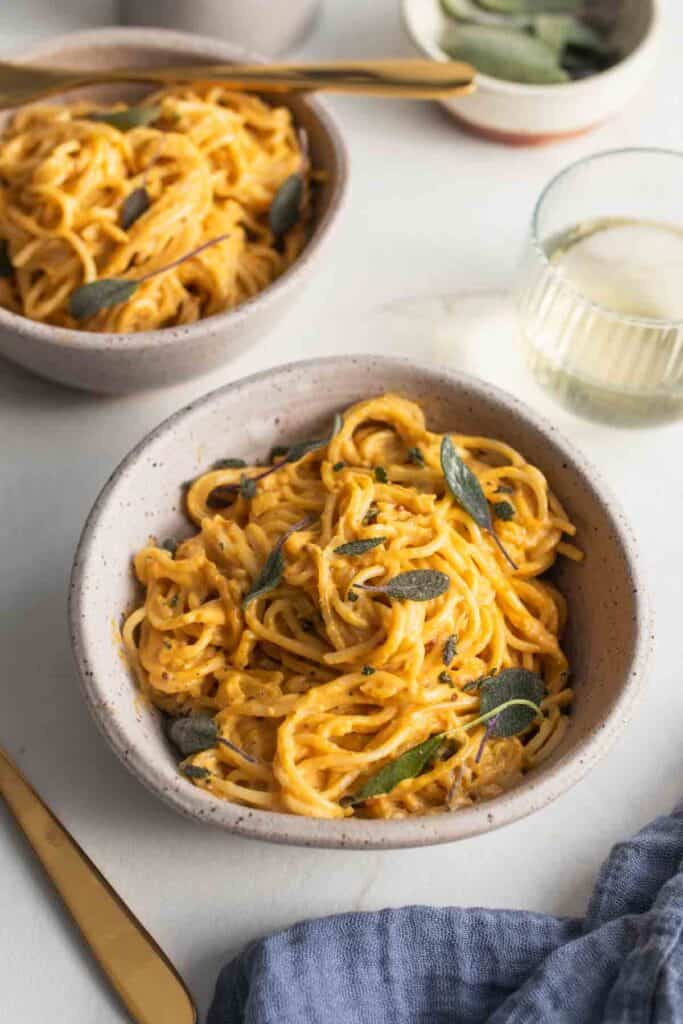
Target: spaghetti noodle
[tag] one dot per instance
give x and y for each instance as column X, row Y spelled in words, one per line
column 210, row 161
column 313, row 690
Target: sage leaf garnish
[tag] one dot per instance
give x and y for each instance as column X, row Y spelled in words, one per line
column 221, row 495
column 558, row 31
column 414, row 585
column 274, row 567
column 134, row 205
column 446, row 678
column 277, row 451
column 466, row 489
column 194, row 771
column 531, row 6
column 504, row 53
column 408, row 766
column 367, row 670
column 511, row 684
column 193, row 733
column 229, row 464
column 90, row 298
column 470, row 10
column 6, row 268
column 504, row 489
column 285, row 208
column 416, row 456
column 352, row 597
column 124, row 120
column 338, row 466
column 503, row 510
column 381, row 475
column 371, row 515
column 359, row 547
column 450, row 649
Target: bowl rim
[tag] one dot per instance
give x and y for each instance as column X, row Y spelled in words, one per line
column 430, row 48
column 159, row 338
column 365, row 834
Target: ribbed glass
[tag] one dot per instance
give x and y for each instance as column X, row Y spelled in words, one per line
column 603, row 362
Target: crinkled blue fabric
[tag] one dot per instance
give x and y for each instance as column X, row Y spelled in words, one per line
column 622, row 964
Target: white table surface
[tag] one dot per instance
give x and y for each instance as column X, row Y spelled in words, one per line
column 430, row 211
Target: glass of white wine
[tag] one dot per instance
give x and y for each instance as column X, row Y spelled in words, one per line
column 600, row 294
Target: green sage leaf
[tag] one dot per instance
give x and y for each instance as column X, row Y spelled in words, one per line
column 511, row 684
column 6, row 268
column 503, row 53
column 359, row 547
column 450, row 649
column 134, row 205
column 503, row 510
column 285, row 208
column 90, row 298
column 247, row 487
column 531, row 6
column 301, row 448
column 558, row 31
column 414, row 585
column 273, row 570
column 408, row 766
column 124, row 120
column 416, row 456
column 193, row 733
column 466, row 489
column 469, row 10
column 193, row 771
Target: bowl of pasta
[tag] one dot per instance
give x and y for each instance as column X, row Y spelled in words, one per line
column 149, row 236
column 359, row 603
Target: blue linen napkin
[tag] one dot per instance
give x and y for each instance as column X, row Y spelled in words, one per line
column 623, row 964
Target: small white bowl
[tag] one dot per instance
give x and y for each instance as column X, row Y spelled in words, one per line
column 523, row 115
column 118, row 363
column 607, row 640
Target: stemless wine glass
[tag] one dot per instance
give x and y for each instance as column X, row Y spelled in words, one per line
column 600, row 294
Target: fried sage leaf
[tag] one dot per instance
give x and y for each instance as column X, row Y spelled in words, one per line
column 408, row 766
column 194, row 771
column 414, row 585
column 134, row 205
column 503, row 53
column 450, row 649
column 511, row 684
column 124, row 120
column 90, row 298
column 285, row 208
column 193, row 733
column 6, row 268
column 466, row 489
column 273, row 570
column 359, row 547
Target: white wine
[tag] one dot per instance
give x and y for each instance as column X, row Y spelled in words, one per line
column 603, row 320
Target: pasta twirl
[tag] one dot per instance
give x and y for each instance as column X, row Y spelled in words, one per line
column 211, row 163
column 321, row 682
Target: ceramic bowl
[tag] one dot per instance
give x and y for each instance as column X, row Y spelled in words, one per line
column 519, row 114
column 261, row 25
column 607, row 639
column 118, row 363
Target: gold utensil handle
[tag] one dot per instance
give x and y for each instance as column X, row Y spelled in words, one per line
column 139, row 971
column 402, row 79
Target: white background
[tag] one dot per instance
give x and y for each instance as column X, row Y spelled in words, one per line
column 430, row 211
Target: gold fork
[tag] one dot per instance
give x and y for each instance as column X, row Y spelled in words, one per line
column 143, row 977
column 403, row 79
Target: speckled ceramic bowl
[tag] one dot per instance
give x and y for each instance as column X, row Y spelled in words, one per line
column 118, row 363
column 607, row 639
column 530, row 115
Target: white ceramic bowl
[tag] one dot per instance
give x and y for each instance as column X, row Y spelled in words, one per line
column 607, row 640
column 520, row 114
column 116, row 363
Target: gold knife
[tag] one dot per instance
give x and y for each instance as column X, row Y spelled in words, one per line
column 139, row 971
